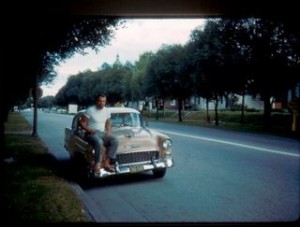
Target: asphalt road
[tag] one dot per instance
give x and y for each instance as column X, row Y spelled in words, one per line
column 218, row 177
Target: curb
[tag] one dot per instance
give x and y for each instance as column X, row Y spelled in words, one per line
column 85, row 200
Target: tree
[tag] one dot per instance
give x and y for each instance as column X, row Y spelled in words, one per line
column 258, row 56
column 113, row 82
column 88, row 82
column 46, row 102
column 34, row 40
column 206, row 54
column 45, row 41
column 138, row 76
column 274, row 60
column 72, row 93
column 168, row 75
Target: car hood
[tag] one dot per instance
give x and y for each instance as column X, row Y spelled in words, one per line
column 137, row 139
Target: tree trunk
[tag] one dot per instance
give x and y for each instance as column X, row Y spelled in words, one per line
column 207, row 111
column 267, row 112
column 35, row 106
column 156, row 105
column 179, row 109
column 216, row 113
column 226, row 101
column 2, row 139
column 164, row 111
column 243, row 108
column 4, row 117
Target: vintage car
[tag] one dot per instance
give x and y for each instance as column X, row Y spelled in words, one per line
column 140, row 148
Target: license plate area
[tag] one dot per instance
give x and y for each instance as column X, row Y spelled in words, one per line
column 136, row 168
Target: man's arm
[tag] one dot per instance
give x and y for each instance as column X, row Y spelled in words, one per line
column 83, row 123
column 107, row 127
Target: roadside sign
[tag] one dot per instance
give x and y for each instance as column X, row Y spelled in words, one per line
column 39, row 92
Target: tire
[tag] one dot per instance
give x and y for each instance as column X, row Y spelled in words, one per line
column 159, row 173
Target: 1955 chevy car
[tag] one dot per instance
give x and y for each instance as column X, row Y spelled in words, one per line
column 140, row 148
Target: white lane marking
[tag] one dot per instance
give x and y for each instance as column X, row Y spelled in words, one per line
column 231, row 143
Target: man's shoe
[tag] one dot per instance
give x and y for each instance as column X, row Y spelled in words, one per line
column 96, row 168
column 106, row 165
column 104, row 173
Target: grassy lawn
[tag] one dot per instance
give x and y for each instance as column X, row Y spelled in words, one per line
column 230, row 120
column 32, row 190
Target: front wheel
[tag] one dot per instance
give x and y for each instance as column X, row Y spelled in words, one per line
column 159, row 173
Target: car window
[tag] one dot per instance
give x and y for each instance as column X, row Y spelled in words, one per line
column 125, row 119
column 136, row 120
column 75, row 122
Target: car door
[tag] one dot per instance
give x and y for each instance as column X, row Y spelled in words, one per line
column 74, row 137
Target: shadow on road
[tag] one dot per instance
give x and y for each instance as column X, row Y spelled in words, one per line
column 76, row 173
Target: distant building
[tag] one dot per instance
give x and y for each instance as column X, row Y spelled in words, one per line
column 72, row 108
column 252, row 102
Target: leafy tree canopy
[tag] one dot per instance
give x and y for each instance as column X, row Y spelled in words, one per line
column 34, row 40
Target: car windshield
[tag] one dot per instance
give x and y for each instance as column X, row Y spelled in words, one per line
column 126, row 119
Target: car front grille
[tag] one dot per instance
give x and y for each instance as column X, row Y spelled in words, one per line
column 136, row 157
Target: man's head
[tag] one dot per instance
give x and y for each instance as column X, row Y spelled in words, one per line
column 100, row 101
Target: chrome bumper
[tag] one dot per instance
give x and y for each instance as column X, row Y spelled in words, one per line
column 137, row 167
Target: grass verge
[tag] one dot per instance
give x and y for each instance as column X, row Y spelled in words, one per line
column 33, row 192
column 280, row 123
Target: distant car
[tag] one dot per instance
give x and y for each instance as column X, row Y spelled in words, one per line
column 140, row 148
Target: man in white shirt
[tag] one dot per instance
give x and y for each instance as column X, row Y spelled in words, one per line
column 96, row 122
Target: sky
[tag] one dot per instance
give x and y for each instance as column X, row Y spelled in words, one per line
column 135, row 37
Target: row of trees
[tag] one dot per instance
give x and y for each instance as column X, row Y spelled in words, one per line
column 242, row 56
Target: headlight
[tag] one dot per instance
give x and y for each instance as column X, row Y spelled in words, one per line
column 167, row 144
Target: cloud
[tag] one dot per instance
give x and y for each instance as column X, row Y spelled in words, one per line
column 137, row 37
